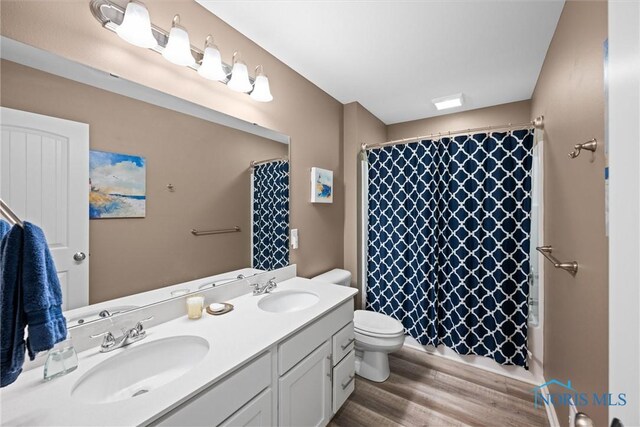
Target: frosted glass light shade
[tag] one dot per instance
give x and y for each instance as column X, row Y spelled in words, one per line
column 211, row 67
column 261, row 91
column 178, row 48
column 136, row 26
column 240, row 78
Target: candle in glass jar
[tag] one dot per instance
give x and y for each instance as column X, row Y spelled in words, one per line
column 194, row 307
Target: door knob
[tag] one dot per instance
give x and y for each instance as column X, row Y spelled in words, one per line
column 79, row 256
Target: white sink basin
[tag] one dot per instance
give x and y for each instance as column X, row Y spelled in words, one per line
column 287, row 301
column 140, row 369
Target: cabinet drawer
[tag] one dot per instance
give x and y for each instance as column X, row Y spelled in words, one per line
column 297, row 347
column 214, row 405
column 257, row 413
column 344, row 380
column 343, row 342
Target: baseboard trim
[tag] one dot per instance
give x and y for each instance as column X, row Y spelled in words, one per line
column 552, row 416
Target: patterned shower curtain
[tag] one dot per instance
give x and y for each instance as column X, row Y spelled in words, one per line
column 448, row 241
column 271, row 215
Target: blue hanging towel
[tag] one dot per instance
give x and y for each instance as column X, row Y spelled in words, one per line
column 4, row 228
column 42, row 296
column 31, row 298
column 12, row 346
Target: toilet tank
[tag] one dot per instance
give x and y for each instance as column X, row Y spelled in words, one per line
column 336, row 276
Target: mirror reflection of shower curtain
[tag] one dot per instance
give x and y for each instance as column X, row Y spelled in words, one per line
column 270, row 205
column 448, row 241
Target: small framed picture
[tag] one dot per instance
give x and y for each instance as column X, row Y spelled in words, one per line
column 321, row 185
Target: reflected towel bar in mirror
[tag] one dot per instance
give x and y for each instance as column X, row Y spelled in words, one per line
column 195, row 232
column 571, row 266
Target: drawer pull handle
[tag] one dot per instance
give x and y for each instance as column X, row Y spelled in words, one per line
column 344, row 346
column 349, row 381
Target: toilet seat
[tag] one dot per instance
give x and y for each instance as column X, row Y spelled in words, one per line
column 376, row 325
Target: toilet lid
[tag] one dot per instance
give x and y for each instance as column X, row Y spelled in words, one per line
column 370, row 322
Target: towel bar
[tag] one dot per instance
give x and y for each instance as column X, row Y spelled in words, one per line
column 6, row 212
column 571, row 267
column 195, row 232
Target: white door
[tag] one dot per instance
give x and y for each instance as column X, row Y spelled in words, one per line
column 305, row 391
column 44, row 178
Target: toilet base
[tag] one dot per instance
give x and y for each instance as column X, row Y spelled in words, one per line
column 372, row 365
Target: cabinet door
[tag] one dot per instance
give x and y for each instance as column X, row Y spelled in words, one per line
column 305, row 391
column 255, row 413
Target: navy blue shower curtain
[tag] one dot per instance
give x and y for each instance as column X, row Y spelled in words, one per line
column 448, row 241
column 271, row 215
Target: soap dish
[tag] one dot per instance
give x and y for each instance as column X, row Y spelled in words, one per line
column 228, row 307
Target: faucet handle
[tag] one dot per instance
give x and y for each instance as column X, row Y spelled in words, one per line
column 107, row 333
column 139, row 326
column 108, row 341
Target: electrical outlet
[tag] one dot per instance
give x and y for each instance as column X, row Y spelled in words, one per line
column 294, row 238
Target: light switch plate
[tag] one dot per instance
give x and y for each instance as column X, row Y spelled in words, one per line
column 294, row 238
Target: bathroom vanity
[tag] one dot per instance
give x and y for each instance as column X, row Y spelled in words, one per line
column 283, row 358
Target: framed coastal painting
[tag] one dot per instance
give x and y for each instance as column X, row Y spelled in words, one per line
column 118, row 185
column 321, row 185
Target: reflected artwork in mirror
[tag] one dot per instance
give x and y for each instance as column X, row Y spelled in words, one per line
column 184, row 198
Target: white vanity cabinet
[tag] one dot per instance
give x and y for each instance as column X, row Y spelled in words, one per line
column 307, row 363
column 305, row 391
column 257, row 413
column 240, row 396
column 300, row 381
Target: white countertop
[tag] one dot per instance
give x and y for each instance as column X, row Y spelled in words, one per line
column 234, row 338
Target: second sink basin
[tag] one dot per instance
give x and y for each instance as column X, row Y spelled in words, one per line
column 287, row 301
column 140, row 369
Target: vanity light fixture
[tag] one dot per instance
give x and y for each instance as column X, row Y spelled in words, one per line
column 136, row 26
column 211, row 66
column 133, row 24
column 178, row 48
column 450, row 101
column 239, row 75
column 261, row 91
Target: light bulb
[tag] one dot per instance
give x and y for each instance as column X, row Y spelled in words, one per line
column 211, row 66
column 136, row 26
column 178, row 48
column 239, row 76
column 261, row 91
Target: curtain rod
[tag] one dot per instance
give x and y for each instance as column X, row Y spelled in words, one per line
column 254, row 163
column 538, row 123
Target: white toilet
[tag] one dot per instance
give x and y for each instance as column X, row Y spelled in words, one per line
column 377, row 334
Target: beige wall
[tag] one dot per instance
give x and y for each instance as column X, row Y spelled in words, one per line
column 359, row 126
column 207, row 164
column 570, row 94
column 301, row 110
column 514, row 112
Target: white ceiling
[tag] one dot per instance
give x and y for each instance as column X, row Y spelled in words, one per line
column 393, row 57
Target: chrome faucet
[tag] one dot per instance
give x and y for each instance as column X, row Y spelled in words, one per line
column 266, row 288
column 129, row 336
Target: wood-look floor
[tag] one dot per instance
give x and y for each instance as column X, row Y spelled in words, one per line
column 427, row 390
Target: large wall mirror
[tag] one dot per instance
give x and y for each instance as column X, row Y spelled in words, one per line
column 142, row 196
